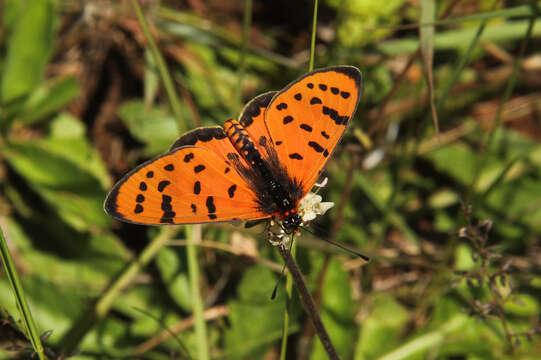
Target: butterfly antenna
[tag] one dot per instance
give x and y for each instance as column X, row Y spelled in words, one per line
column 275, row 290
column 308, row 230
column 364, row 257
column 273, row 296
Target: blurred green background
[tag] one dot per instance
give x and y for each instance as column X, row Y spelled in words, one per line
column 452, row 221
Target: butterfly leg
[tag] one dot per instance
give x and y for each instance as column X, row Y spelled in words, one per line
column 276, row 234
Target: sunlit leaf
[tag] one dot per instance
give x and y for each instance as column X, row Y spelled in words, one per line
column 29, row 48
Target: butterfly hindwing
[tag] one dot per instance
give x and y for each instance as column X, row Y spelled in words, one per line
column 307, row 119
column 252, row 118
column 185, row 186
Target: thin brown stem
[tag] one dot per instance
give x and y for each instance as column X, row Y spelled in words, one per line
column 308, row 302
column 308, row 328
column 379, row 124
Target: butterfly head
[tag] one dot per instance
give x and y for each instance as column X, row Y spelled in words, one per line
column 291, row 222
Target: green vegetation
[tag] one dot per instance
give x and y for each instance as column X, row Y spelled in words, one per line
column 451, row 218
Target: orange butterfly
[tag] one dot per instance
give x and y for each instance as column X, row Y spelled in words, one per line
column 258, row 167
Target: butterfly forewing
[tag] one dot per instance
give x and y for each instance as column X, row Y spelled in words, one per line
column 307, row 119
column 285, row 139
column 187, row 185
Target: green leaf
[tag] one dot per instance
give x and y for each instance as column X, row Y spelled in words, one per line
column 256, row 320
column 459, row 39
column 29, row 47
column 420, row 345
column 175, row 277
column 380, row 330
column 89, row 261
column 144, row 303
column 73, row 191
column 522, row 305
column 446, row 158
column 336, row 312
column 151, row 126
column 49, row 98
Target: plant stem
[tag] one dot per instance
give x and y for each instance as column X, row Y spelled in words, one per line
column 289, row 293
column 193, row 233
column 13, row 279
column 308, row 302
column 313, row 41
column 162, row 69
column 194, row 237
column 101, row 308
column 246, row 23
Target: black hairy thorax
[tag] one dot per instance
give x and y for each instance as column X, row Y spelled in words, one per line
column 277, row 193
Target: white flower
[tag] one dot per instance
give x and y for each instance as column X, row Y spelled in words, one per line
column 323, row 183
column 311, row 206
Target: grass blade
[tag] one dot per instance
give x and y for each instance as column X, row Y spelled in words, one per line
column 162, row 68
column 463, row 60
column 246, row 23
column 426, row 32
column 194, row 233
column 313, row 41
column 507, row 93
column 26, row 315
column 102, row 307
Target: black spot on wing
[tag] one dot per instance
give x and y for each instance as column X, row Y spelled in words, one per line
column 306, row 127
column 315, row 100
column 310, row 85
column 295, row 156
column 166, row 203
column 188, row 157
column 231, row 191
column 162, row 184
column 325, row 153
column 288, row 119
column 197, row 188
column 210, row 204
column 262, row 141
column 211, row 207
column 314, row 145
column 325, row 135
column 140, row 198
column 194, row 208
column 278, row 143
column 199, row 168
column 150, row 174
column 344, row 94
column 169, row 167
column 333, row 114
column 138, row 209
column 143, row 186
column 323, row 87
column 227, row 170
column 298, row 96
column 168, row 213
column 281, row 106
column 335, row 90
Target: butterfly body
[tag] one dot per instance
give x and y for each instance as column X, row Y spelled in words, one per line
column 277, row 194
column 258, row 167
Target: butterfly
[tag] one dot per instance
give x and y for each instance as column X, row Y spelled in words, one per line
column 258, row 167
